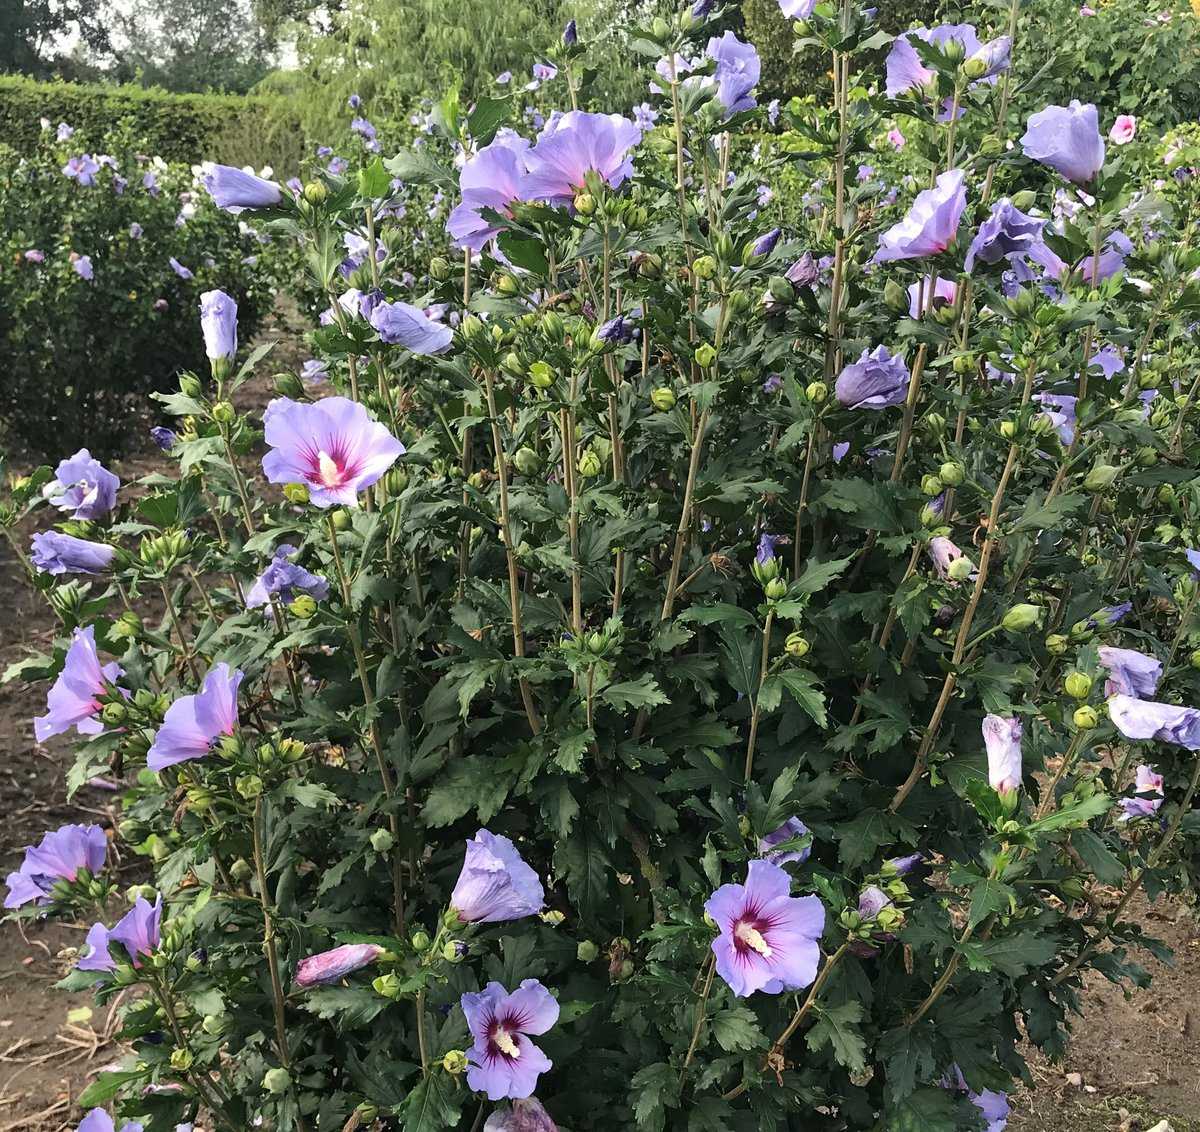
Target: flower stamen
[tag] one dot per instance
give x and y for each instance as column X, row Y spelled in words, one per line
column 752, row 938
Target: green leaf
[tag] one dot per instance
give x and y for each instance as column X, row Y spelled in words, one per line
column 311, row 795
column 643, row 692
column 374, row 181
column 654, row 1089
column 926, row 1110
column 799, row 682
column 350, row 1008
column 586, row 866
column 108, row 1085
column 907, row 1055
column 867, row 832
column 837, row 1027
column 1105, row 866
column 817, row 575
column 487, row 117
column 1077, row 814
column 434, row 1105
column 736, row 1028
column 988, row 896
column 418, row 168
column 719, row 612
column 527, row 254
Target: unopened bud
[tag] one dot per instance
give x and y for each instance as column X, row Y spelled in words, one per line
column 705, row 355
column 589, row 464
column 952, row 473
column 277, row 1080
column 663, row 399
column 541, row 375
column 439, row 268
column 382, row 840
column 1056, row 644
column 816, row 392
column 315, row 192
column 587, row 951
column 1085, row 717
column 302, row 607
column 1021, row 617
column 585, row 204
column 1078, row 685
column 455, row 1062
column 1100, row 477
column 797, row 645
column 704, row 267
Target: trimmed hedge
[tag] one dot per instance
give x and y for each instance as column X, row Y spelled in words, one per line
column 177, row 127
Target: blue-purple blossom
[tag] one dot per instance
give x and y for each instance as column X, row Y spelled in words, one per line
column 1006, row 232
column 332, row 966
column 570, row 34
column 930, row 225
column 1130, row 673
column 1059, row 409
column 765, row 244
column 644, row 116
column 491, row 179
column 82, row 170
column 284, row 580
column 791, row 830
column 573, row 146
column 363, row 128
column 55, row 553
column 1146, row 719
column 797, row 9
column 99, row 1121
column 1193, row 557
column 902, row 866
column 876, row 381
column 60, row 855
column 164, row 438
column 138, row 932
column 1067, row 139
column 503, row 1062
column 993, row 1105
column 83, row 486
column 1109, row 616
column 766, row 548
column 737, row 73
column 193, row 724
column 73, row 700
column 150, row 183
column 234, row 189
column 544, row 72
column 1148, row 795
column 314, row 371
column 218, row 323
column 401, row 324
column 617, row 331
column 495, row 884
column 64, row 132
column 184, row 273
column 769, row 940
column 1002, row 738
column 82, row 266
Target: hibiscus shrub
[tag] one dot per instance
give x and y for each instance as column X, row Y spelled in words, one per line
column 795, row 628
column 103, row 256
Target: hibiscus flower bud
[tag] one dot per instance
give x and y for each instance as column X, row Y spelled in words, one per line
column 663, row 399
column 952, row 473
column 382, row 840
column 587, row 951
column 114, row 713
column 1021, row 617
column 816, row 391
column 315, row 192
column 589, row 464
column 181, row 1059
column 1100, row 477
column 455, row 951
column 439, row 268
column 541, row 375
column 1078, row 685
column 189, row 385
column 705, row 355
column 585, row 204
column 1085, row 717
column 960, row 569
column 277, row 1080
column 895, row 296
column 455, row 1062
column 931, row 485
column 776, row 589
column 302, row 607
column 704, row 267
column 339, row 520
column 1056, row 644
column 797, row 645
column 1195, row 658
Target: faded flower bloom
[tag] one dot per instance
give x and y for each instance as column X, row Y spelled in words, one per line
column 1002, row 737
column 234, row 189
column 1130, row 673
column 1066, row 138
column 769, row 940
column 218, row 323
column 59, row 856
column 495, row 884
column 1006, row 232
column 194, row 723
column 490, row 179
column 284, row 580
column 573, row 146
column 334, row 965
column 331, row 446
column 526, row 1115
column 56, row 553
column 876, row 381
column 1146, row 719
column 401, row 324
column 138, row 932
column 791, row 830
column 73, row 701
column 83, row 486
column 1148, row 788
column 503, row 1061
column 737, row 73
column 943, row 552
column 930, row 225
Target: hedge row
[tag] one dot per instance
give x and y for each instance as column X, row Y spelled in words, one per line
column 177, row 127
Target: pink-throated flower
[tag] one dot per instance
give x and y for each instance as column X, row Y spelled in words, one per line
column 1002, row 738
column 193, row 724
column 503, row 1062
column 74, row 698
column 60, row 855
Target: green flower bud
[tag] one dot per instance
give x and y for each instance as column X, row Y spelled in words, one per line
column 386, row 986
column 585, row 204
column 952, row 473
column 127, row 627
column 964, row 364
column 553, row 917
column 472, row 328
column 508, row 286
column 930, row 516
column 114, row 713
column 189, row 385
column 816, row 392
column 1086, row 717
column 1025, row 199
column 1100, row 477
column 249, row 786
column 455, row 951
column 223, row 412
column 455, row 1062
column 589, row 464
column 705, row 355
column 1147, row 457
column 295, row 493
column 663, row 398
column 289, row 385
column 421, row 941
column 302, row 607
column 277, row 1080
column 527, row 461
column 587, row 951
column 896, row 297
column 541, row 375
column 625, row 970
column 213, row 1024
column 776, row 589
column 1021, row 617
column 439, row 268
column 797, row 645
column 1195, row 658
column 1078, row 685
column 960, row 569
column 382, row 840
column 704, row 267
column 181, row 1059
column 1008, row 429
column 241, row 870
column 1056, row 644
column 936, row 423
column 339, row 520
column 315, row 192
column 931, row 485
column 141, row 891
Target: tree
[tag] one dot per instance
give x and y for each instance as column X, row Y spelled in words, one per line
column 33, row 32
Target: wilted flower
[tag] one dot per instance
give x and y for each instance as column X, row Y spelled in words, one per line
column 737, row 73
column 943, row 552
column 332, row 966
column 331, row 446
column 218, row 323
column 490, row 179
column 1123, row 129
column 876, row 381
column 234, row 189
column 59, row 856
column 765, row 244
column 1066, row 138
column 526, row 1115
column 902, row 866
column 1149, row 787
column 617, row 331
column 83, row 486
column 401, row 324
column 803, row 273
column 55, row 553
column 1146, row 719
column 930, row 225
column 137, row 932
column 73, row 700
column 503, row 1061
column 1002, row 737
column 194, row 723
column 1130, row 673
column 284, row 580
column 769, row 939
column 791, row 830
column 495, row 884
column 1006, row 232
column 1108, row 616
column 575, row 145
column 33, row 255
column 184, row 273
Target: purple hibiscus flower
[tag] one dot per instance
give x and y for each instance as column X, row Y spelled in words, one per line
column 284, row 580
column 1146, row 719
column 194, row 723
column 82, row 170
column 1130, row 673
column 1002, row 737
column 1059, row 410
column 83, row 486
column 56, row 553
column 218, row 323
column 73, row 700
column 164, row 438
column 138, row 932
column 184, row 273
column 1006, row 232
column 82, row 266
column 791, row 829
column 1067, row 139
column 99, row 1121
column 401, row 324
column 490, row 179
column 1148, row 790
column 876, row 381
column 332, row 447
column 737, row 73
column 797, row 9
column 993, row 1105
column 573, row 146
column 234, row 189
column 495, row 884
column 59, row 856
column 944, row 294
column 930, row 225
column 334, row 965
column 768, row 939
column 503, row 1062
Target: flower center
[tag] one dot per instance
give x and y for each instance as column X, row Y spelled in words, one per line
column 328, row 471
column 752, row 938
column 503, row 1041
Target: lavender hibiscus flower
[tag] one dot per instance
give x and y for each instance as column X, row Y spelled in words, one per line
column 503, row 1062
column 490, row 179
column 334, row 965
column 184, row 273
column 1002, row 737
column 931, row 223
column 60, row 856
column 218, row 323
column 138, row 932
column 332, row 447
column 1059, row 410
column 737, row 73
column 234, row 189
column 1146, row 719
column 925, row 295
column 768, row 939
column 82, row 266
column 56, row 553
column 495, row 884
column 791, row 830
column 194, row 723
column 575, row 145
column 1067, row 139
column 797, row 9
column 1006, row 232
column 82, row 170
column 99, row 1121
column 1130, row 673
column 83, row 486
column 73, row 701
column 401, row 324
column 1148, row 788
column 164, row 438
column 284, row 580
column 877, row 380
